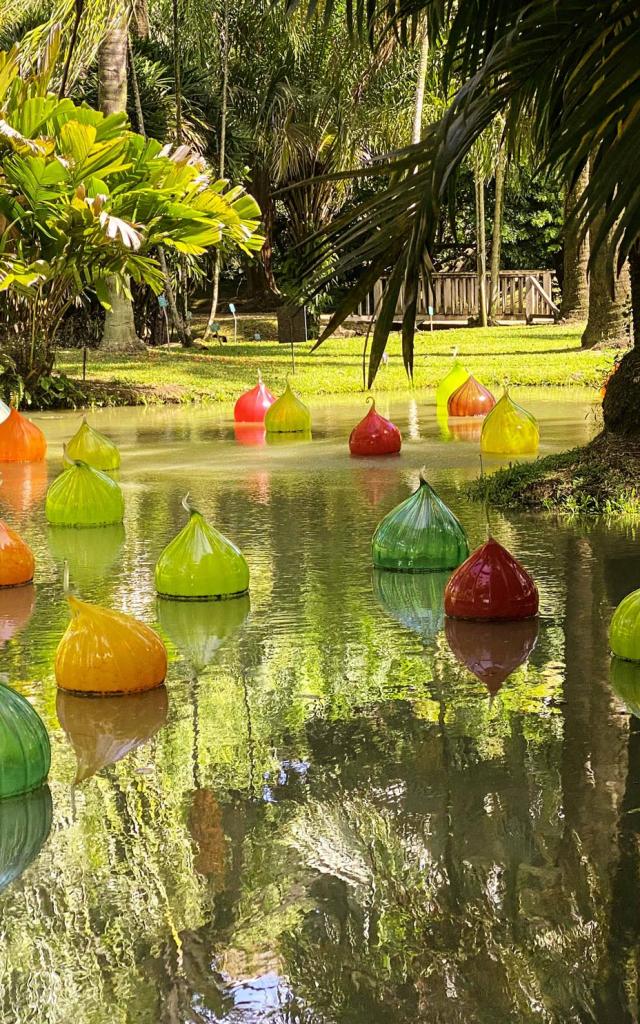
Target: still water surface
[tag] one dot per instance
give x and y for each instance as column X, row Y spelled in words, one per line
column 326, row 818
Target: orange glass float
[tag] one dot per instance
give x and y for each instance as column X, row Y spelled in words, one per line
column 16, row 558
column 471, row 399
column 20, row 439
column 107, row 652
column 491, row 650
column 466, row 429
column 491, row 584
column 375, row 435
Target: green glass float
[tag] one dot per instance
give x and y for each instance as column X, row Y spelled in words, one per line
column 455, row 378
column 198, row 631
column 199, row 564
column 287, row 415
column 25, row 823
column 25, row 753
column 415, row 600
column 83, row 496
column 420, row 535
column 624, row 630
column 90, row 446
column 624, row 677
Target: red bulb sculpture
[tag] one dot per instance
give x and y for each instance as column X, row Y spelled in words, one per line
column 375, row 435
column 471, row 399
column 491, row 585
column 252, row 405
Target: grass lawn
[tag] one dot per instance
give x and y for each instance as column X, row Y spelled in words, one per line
column 537, row 355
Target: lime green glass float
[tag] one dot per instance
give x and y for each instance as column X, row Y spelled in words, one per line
column 287, row 415
column 624, row 630
column 420, row 535
column 415, row 600
column 625, row 682
column 455, row 378
column 84, row 496
column 90, row 446
column 25, row 823
column 25, row 753
column 198, row 631
column 199, row 564
column 509, row 429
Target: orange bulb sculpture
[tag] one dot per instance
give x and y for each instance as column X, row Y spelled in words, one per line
column 471, row 399
column 16, row 558
column 107, row 652
column 20, row 439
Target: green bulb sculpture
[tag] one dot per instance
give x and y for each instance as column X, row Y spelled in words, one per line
column 420, row 535
column 624, row 631
column 199, row 564
column 25, row 753
column 84, row 496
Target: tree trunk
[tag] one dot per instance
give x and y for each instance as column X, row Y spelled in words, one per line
column 224, row 55
column 418, row 105
column 481, row 246
column 575, row 281
column 119, row 333
column 496, row 236
column 262, row 282
column 634, row 282
column 621, row 405
column 609, row 296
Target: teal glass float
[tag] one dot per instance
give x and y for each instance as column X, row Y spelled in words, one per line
column 200, row 564
column 415, row 600
column 90, row 446
column 420, row 535
column 624, row 631
column 25, row 752
column 25, row 823
column 198, row 631
column 624, row 677
column 454, row 379
column 83, row 496
column 287, row 415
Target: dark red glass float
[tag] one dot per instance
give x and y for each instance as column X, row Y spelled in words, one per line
column 375, row 435
column 471, row 399
column 252, row 405
column 491, row 650
column 491, row 584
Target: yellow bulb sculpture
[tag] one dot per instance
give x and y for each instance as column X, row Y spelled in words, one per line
column 287, row 415
column 509, row 429
column 454, row 379
column 107, row 652
column 90, row 446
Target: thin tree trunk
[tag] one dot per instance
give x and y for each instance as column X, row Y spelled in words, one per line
column 575, row 283
column 418, row 105
column 621, row 405
column 609, row 297
column 634, row 282
column 224, row 54
column 260, row 274
column 177, row 69
column 119, row 334
column 481, row 247
column 496, row 235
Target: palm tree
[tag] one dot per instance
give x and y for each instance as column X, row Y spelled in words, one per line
column 575, row 283
column 571, row 69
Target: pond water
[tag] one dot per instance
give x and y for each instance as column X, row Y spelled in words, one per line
column 326, row 817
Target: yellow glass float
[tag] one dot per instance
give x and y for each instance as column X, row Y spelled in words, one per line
column 102, row 732
column 509, row 429
column 624, row 631
column 200, row 564
column 83, row 496
column 455, row 378
column 90, row 446
column 287, row 415
column 107, row 652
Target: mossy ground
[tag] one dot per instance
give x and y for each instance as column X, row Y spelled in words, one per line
column 538, row 355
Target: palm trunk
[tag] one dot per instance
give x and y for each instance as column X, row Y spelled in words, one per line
column 262, row 282
column 481, row 247
column 621, row 406
column 575, row 283
column 224, row 54
column 609, row 295
column 496, row 236
column 418, row 105
column 119, row 333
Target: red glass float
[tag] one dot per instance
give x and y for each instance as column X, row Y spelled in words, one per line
column 491, row 650
column 252, row 405
column 20, row 439
column 471, row 399
column 491, row 584
column 375, row 435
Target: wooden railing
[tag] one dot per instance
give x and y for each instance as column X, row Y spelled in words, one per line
column 522, row 295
